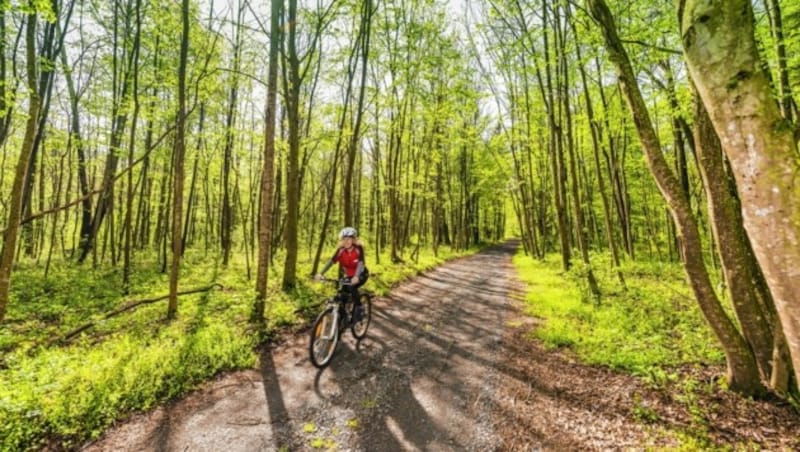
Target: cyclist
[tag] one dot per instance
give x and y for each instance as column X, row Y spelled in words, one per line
column 350, row 256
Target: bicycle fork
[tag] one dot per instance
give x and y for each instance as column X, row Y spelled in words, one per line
column 330, row 331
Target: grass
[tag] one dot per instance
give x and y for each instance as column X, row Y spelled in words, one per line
column 63, row 395
column 646, row 329
column 651, row 328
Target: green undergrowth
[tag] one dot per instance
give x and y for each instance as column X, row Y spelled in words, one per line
column 647, row 328
column 651, row 328
column 59, row 394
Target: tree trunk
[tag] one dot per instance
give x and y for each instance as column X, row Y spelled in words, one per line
column 362, row 44
column 11, row 233
column 128, row 222
column 729, row 234
column 267, row 170
column 293, row 176
column 75, row 134
column 721, row 54
column 5, row 106
column 119, row 117
column 742, row 370
column 580, row 228
column 596, row 136
column 788, row 107
column 226, row 215
column 180, row 147
column 192, row 201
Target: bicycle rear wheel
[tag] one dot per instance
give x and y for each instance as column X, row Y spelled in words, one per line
column 324, row 338
column 359, row 329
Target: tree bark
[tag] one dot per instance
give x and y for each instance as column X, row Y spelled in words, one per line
column 293, row 158
column 720, row 50
column 735, row 256
column 742, row 370
column 267, row 170
column 180, row 147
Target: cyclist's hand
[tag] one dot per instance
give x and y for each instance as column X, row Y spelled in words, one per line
column 354, row 280
column 319, row 277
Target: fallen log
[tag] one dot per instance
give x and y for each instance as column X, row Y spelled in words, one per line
column 125, row 308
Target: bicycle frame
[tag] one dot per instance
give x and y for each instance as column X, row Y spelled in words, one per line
column 334, row 319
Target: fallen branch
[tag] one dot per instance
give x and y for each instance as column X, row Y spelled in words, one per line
column 125, row 308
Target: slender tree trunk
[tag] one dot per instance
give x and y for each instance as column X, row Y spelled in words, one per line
column 5, row 106
column 788, row 107
column 742, row 369
column 128, row 221
column 15, row 204
column 580, row 228
column 596, row 136
column 267, row 170
column 352, row 148
column 56, row 203
column 721, row 55
column 226, row 215
column 618, row 193
column 293, row 176
column 350, row 152
column 556, row 150
column 180, row 146
column 50, row 48
column 105, row 203
column 77, row 138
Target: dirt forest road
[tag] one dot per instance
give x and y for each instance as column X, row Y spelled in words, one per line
column 422, row 379
column 447, row 364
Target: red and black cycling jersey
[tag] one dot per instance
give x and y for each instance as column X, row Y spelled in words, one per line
column 351, row 261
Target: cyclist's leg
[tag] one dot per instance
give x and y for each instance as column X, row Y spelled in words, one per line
column 357, row 308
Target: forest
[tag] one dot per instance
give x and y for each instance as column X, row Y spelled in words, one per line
column 173, row 172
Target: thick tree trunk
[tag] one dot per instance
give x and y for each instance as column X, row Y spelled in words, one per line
column 742, row 370
column 726, row 222
column 721, row 54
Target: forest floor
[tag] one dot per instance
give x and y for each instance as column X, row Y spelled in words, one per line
column 449, row 364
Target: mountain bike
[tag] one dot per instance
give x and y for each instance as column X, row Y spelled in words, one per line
column 334, row 319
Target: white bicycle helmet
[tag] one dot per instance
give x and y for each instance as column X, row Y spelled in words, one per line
column 348, row 232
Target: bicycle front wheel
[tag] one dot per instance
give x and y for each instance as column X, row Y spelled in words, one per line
column 359, row 328
column 324, row 338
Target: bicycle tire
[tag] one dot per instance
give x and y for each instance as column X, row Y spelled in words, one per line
column 323, row 339
column 359, row 329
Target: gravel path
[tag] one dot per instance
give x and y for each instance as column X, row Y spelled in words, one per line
column 448, row 364
column 422, row 379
